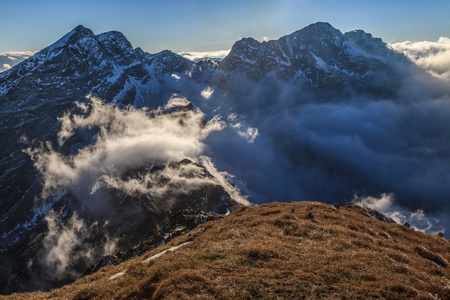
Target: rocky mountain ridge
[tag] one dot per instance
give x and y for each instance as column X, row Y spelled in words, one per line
column 318, row 56
column 80, row 63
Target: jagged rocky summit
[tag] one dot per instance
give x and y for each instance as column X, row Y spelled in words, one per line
column 319, row 56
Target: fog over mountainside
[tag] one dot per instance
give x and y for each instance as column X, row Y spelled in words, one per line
column 340, row 142
column 104, row 141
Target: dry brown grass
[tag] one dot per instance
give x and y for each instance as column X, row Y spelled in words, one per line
column 275, row 251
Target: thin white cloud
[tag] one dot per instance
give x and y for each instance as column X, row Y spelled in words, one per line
column 248, row 133
column 224, row 179
column 61, row 244
column 16, row 54
column 6, row 67
column 176, row 101
column 64, row 245
column 195, row 56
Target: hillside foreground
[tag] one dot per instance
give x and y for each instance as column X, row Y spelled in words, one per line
column 305, row 250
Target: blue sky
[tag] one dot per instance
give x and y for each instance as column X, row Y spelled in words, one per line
column 201, row 25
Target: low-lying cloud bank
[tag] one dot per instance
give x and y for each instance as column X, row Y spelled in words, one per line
column 330, row 151
column 127, row 139
column 322, row 147
column 196, row 56
column 432, row 56
column 10, row 59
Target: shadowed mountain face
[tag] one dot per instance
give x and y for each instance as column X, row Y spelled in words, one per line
column 109, row 175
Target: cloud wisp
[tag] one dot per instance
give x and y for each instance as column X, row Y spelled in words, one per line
column 66, row 249
column 62, row 245
column 387, row 205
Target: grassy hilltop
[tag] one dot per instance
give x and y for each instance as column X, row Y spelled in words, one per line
column 305, row 250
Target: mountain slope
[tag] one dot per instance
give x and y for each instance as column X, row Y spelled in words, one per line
column 296, row 250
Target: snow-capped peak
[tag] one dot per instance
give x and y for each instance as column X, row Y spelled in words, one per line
column 72, row 37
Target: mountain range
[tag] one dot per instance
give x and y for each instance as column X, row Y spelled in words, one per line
column 45, row 99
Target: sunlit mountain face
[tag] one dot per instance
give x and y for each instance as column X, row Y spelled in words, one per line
column 102, row 142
